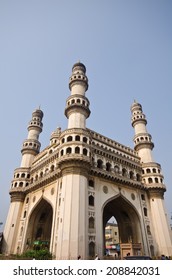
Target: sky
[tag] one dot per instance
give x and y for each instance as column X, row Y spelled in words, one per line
column 126, row 46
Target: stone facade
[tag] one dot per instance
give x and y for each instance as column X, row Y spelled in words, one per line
column 63, row 196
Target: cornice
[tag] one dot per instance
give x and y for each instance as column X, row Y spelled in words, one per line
column 17, row 195
column 156, row 193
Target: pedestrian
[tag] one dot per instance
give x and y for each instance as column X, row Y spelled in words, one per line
column 97, row 257
column 79, row 257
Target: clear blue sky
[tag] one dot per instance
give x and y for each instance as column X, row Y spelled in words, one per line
column 126, row 46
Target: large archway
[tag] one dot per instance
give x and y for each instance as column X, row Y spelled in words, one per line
column 39, row 226
column 130, row 238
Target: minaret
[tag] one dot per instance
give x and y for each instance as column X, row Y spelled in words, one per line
column 31, row 145
column 30, row 149
column 153, row 180
column 75, row 163
column 77, row 105
column 142, row 140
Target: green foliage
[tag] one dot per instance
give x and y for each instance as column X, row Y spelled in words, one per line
column 42, row 254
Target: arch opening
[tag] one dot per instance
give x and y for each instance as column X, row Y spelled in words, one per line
column 39, row 226
column 121, row 217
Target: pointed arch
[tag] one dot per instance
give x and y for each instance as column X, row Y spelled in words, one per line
column 40, row 224
column 127, row 217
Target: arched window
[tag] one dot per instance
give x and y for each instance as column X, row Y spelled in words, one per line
column 52, row 168
column 62, row 152
column 69, row 138
column 150, row 180
column 142, row 196
column 131, row 174
column 148, row 230
column 68, row 150
column 85, row 139
column 100, row 164
column 21, row 184
column 138, row 177
column 77, row 138
column 23, row 175
column 124, row 172
column 108, row 166
column 24, row 215
column 156, row 180
column 145, row 211
column 78, row 101
column 91, row 222
column 85, row 152
column 91, row 183
column 36, row 177
column 27, row 200
column 154, row 170
column 91, row 249
column 148, row 170
column 46, row 171
column 77, row 150
column 91, row 200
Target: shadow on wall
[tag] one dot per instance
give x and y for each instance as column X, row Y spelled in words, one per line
column 1, row 241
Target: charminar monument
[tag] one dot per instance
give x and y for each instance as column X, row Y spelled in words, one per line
column 63, row 197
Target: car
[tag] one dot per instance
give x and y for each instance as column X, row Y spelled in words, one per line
column 137, row 258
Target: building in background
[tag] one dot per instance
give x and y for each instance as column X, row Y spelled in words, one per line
column 112, row 239
column 63, row 197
